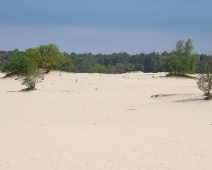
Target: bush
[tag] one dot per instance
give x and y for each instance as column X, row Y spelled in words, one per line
column 204, row 83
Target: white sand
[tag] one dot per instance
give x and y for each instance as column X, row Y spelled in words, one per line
column 105, row 122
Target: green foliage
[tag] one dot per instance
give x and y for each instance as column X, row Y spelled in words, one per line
column 130, row 67
column 102, row 63
column 99, row 68
column 152, row 63
column 120, row 68
column 204, row 83
column 111, row 69
column 208, row 67
column 63, row 62
column 49, row 58
column 5, row 55
column 138, row 61
column 45, row 57
column 20, row 64
column 81, row 63
column 203, row 63
column 182, row 60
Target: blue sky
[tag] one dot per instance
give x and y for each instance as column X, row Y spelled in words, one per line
column 106, row 26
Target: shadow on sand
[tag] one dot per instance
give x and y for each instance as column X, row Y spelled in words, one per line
column 188, row 100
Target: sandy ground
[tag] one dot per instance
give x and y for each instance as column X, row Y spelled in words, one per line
column 93, row 121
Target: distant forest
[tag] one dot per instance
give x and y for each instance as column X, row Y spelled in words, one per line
column 112, row 63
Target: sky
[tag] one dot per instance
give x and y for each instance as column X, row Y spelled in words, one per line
column 106, row 26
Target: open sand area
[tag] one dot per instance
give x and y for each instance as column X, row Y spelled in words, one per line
column 105, row 122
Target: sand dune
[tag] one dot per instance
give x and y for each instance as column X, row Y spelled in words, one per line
column 99, row 121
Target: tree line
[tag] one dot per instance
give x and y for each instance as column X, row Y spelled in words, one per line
column 115, row 63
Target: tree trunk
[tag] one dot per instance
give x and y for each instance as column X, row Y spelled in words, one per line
column 31, row 85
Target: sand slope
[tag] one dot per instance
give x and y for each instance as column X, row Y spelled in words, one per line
column 105, row 122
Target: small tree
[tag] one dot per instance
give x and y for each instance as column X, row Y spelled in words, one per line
column 204, row 83
column 182, row 60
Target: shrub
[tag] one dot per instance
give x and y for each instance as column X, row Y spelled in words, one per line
column 204, row 83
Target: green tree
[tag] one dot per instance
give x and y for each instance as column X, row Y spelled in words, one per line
column 5, row 55
column 208, row 67
column 152, row 63
column 182, row 60
column 111, row 69
column 203, row 63
column 99, row 68
column 170, row 63
column 138, row 61
column 21, row 64
column 120, row 68
column 49, row 58
column 130, row 66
